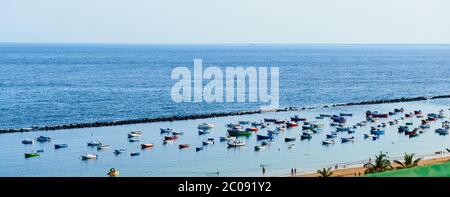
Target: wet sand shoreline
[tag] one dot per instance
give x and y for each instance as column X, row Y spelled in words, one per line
column 211, row 115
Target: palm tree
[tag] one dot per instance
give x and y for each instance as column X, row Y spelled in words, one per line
column 381, row 164
column 409, row 161
column 325, row 172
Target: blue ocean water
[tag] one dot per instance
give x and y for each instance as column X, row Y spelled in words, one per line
column 43, row 84
column 46, row 84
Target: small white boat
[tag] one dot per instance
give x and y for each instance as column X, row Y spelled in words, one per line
column 43, row 139
column 207, row 142
column 205, row 126
column 88, row 156
column 291, row 146
column 325, row 142
column 132, row 135
column 133, row 139
column 236, row 143
column 137, row 132
column 259, row 147
column 27, row 141
column 103, row 146
column 94, row 143
column 228, row 138
column 307, row 132
column 168, row 141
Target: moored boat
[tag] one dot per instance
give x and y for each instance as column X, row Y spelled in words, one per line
column 305, row 136
column 43, row 139
column 171, row 137
column 289, row 139
column 198, row 149
column 58, row 146
column 133, row 135
column 259, row 147
column 203, row 132
column 119, row 151
column 182, row 146
column 205, row 126
column 264, row 137
column 236, row 143
column 166, row 130
column 103, row 146
column 326, row 142
column 94, row 143
column 27, row 141
column 28, row 155
column 147, row 145
column 297, row 118
column 88, row 156
column 348, row 139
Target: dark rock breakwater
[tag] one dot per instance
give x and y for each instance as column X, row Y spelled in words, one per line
column 210, row 115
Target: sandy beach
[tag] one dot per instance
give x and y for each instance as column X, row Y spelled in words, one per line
column 359, row 171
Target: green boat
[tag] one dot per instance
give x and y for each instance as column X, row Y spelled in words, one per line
column 409, row 123
column 239, row 133
column 414, row 135
column 28, row 155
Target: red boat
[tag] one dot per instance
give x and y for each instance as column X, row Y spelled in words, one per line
column 291, row 124
column 424, row 121
column 380, row 115
column 407, row 115
column 173, row 137
column 181, row 146
column 146, row 145
column 252, row 129
column 417, row 112
column 432, row 119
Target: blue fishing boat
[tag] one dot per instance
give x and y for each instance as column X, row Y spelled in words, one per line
column 377, row 132
column 264, row 137
column 342, row 128
column 402, row 129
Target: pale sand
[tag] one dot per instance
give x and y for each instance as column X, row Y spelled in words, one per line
column 350, row 172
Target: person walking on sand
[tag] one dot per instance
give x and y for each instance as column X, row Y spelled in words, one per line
column 295, row 171
column 263, row 170
column 292, row 171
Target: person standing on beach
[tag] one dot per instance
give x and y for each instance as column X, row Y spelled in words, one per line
column 295, row 171
column 292, row 171
column 263, row 170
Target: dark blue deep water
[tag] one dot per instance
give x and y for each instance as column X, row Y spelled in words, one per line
column 46, row 84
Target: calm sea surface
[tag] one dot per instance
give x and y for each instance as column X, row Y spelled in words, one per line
column 45, row 84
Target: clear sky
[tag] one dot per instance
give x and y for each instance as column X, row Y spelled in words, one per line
column 226, row 21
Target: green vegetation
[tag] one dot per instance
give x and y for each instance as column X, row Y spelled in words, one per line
column 436, row 170
column 325, row 172
column 381, row 164
column 409, row 161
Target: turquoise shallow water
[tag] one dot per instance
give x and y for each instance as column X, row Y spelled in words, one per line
column 168, row 160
